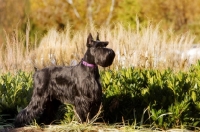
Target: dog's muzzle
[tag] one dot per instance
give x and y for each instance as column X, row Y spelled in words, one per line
column 104, row 57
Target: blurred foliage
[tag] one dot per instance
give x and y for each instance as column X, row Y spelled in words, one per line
column 53, row 13
column 12, row 16
column 183, row 15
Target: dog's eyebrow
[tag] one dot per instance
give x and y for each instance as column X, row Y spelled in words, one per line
column 99, row 44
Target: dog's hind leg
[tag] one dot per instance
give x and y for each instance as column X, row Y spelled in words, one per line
column 38, row 100
column 32, row 111
column 50, row 112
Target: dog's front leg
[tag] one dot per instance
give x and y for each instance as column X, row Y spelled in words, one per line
column 82, row 107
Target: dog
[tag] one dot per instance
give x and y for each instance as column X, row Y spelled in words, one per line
column 78, row 85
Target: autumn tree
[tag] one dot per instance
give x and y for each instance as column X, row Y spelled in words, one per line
column 182, row 14
column 12, row 15
column 54, row 13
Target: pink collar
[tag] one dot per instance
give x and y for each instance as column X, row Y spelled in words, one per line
column 88, row 64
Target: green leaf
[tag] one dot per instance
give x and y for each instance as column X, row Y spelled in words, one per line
column 193, row 95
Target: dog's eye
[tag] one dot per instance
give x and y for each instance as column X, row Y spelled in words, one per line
column 98, row 46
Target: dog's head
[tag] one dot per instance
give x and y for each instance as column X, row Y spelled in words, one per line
column 97, row 52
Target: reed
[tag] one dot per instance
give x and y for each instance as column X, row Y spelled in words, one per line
column 145, row 46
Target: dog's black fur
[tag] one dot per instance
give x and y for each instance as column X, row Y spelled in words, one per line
column 78, row 85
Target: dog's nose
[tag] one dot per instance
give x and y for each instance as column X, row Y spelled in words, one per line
column 105, row 44
column 112, row 52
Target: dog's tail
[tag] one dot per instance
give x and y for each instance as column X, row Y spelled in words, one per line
column 97, row 37
column 35, row 68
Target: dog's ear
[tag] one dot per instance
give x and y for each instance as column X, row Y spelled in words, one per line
column 98, row 37
column 89, row 40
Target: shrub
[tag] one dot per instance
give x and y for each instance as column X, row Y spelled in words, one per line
column 162, row 99
column 15, row 92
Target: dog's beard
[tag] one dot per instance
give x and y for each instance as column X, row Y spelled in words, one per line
column 104, row 57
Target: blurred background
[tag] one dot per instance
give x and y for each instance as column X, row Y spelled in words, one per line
column 143, row 33
column 182, row 15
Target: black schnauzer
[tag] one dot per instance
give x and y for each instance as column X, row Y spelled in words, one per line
column 77, row 85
